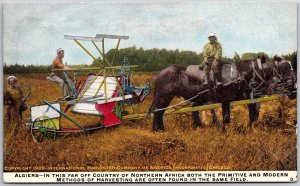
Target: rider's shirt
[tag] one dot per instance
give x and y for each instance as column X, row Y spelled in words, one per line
column 57, row 64
column 212, row 51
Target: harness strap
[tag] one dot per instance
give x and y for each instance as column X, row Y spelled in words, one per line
column 182, row 102
column 256, row 73
column 278, row 70
column 273, row 70
column 291, row 65
column 258, row 61
column 260, row 66
column 278, row 74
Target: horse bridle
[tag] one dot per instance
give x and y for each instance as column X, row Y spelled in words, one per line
column 283, row 80
column 283, row 86
column 252, row 85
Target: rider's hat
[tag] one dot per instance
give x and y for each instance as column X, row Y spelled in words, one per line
column 59, row 50
column 212, row 34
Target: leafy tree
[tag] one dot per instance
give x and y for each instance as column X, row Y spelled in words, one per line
column 252, row 55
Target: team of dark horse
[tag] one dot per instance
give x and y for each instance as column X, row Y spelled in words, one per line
column 247, row 79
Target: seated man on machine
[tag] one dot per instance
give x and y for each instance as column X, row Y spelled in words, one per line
column 60, row 76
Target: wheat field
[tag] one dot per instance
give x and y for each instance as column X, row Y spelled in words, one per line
column 270, row 144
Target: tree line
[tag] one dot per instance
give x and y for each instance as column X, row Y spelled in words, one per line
column 155, row 59
column 26, row 69
column 147, row 60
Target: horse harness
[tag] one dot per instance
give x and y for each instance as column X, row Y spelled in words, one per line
column 276, row 73
column 255, row 90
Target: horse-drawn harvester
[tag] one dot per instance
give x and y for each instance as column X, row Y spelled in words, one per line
column 105, row 94
column 110, row 91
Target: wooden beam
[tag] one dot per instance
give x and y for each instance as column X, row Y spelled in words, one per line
column 204, row 107
column 111, row 36
column 96, row 68
column 82, row 38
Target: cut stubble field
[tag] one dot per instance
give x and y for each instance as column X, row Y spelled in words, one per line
column 270, row 144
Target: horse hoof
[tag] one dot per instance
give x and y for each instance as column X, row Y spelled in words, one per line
column 201, row 126
column 223, row 130
column 196, row 125
column 158, row 129
column 155, row 130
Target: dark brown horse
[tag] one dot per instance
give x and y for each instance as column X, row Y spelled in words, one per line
column 247, row 79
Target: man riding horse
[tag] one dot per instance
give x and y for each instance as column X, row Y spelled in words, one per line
column 212, row 54
column 250, row 81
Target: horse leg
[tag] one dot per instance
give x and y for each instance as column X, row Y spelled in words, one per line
column 158, row 122
column 225, row 114
column 253, row 109
column 215, row 117
column 196, row 118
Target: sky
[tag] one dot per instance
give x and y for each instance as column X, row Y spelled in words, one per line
column 33, row 32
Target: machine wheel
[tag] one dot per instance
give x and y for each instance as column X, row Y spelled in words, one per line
column 43, row 127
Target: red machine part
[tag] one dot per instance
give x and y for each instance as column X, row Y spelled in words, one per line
column 109, row 118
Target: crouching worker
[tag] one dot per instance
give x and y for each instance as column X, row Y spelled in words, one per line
column 59, row 76
column 15, row 102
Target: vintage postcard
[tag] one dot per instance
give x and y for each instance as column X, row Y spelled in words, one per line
column 150, row 92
